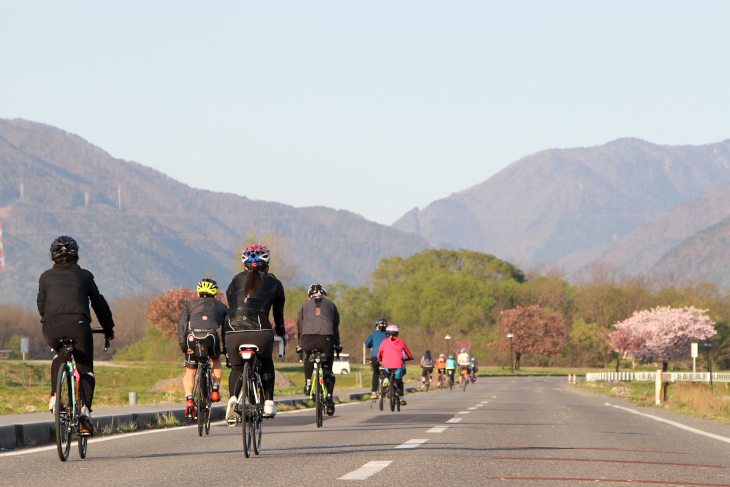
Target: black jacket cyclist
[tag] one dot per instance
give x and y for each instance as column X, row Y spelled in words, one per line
column 197, row 334
column 64, row 292
column 318, row 326
column 252, row 295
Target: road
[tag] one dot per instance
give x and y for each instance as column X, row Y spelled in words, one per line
column 500, row 432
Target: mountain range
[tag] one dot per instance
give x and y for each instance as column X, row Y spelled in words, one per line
column 642, row 207
column 141, row 230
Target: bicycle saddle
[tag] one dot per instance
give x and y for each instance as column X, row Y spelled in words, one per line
column 65, row 345
column 247, row 347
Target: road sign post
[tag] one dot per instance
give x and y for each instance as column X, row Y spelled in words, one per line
column 694, row 359
column 23, row 347
column 658, row 387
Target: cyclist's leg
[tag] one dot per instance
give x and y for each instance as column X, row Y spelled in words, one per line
column 306, row 345
column 264, row 340
column 375, row 364
column 67, row 326
column 399, row 373
column 233, row 340
column 191, row 365
column 215, row 361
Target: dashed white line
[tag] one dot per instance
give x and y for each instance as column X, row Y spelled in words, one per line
column 454, row 420
column 472, row 409
column 464, row 412
column 480, row 405
column 438, row 429
column 366, row 471
column 494, row 397
column 485, row 402
column 412, row 444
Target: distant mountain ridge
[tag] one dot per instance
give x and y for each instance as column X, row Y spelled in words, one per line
column 572, row 205
column 166, row 234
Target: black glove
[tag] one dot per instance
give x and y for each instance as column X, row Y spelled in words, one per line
column 338, row 348
column 299, row 349
column 228, row 362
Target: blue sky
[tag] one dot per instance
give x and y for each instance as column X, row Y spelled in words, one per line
column 374, row 107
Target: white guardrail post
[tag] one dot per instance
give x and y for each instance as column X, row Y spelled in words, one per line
column 658, row 387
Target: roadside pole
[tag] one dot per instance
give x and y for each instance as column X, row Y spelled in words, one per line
column 694, row 360
column 658, row 387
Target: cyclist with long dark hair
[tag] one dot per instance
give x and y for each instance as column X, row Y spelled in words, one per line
column 427, row 364
column 252, row 295
column 64, row 293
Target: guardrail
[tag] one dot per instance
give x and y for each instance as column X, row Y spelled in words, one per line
column 651, row 376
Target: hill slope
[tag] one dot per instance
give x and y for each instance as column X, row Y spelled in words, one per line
column 555, row 203
column 166, row 234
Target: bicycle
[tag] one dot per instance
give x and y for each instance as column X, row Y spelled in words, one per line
column 392, row 392
column 201, row 393
column 464, row 378
column 473, row 376
column 67, row 407
column 441, row 374
column 450, row 373
column 250, row 406
column 381, row 390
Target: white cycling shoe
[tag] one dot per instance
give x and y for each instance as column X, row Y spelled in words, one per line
column 52, row 403
column 270, row 408
column 231, row 411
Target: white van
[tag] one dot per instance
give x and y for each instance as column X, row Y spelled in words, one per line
column 341, row 366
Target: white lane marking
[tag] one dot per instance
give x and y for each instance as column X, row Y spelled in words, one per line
column 464, row 412
column 454, row 420
column 412, row 444
column 678, row 425
column 107, row 438
column 438, row 429
column 485, row 402
column 494, row 397
column 480, row 405
column 366, row 471
column 472, row 409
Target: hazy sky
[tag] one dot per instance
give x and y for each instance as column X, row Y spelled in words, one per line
column 373, row 106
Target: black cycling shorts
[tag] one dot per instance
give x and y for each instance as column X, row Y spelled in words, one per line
column 212, row 344
column 426, row 370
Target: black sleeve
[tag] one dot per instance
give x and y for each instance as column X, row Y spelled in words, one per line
column 337, row 327
column 279, row 309
column 41, row 299
column 101, row 308
column 182, row 328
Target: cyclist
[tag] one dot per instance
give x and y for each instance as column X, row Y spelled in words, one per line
column 451, row 368
column 393, row 354
column 200, row 319
column 318, row 326
column 463, row 360
column 64, row 293
column 373, row 342
column 427, row 364
column 473, row 368
column 441, row 367
column 252, row 295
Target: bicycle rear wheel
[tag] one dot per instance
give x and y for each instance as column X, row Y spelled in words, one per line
column 200, row 401
column 428, row 382
column 63, row 411
column 465, row 379
column 258, row 430
column 391, row 391
column 319, row 400
column 381, row 393
column 246, row 424
column 208, row 400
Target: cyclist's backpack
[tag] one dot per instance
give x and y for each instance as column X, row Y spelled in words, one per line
column 428, row 362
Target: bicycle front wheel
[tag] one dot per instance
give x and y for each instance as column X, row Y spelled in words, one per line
column 258, row 429
column 246, row 410
column 64, row 412
column 381, row 393
column 319, row 401
column 208, row 401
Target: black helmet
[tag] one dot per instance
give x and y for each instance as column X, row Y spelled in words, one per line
column 381, row 324
column 315, row 290
column 64, row 248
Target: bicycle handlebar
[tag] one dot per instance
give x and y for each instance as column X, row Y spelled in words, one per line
column 282, row 349
column 106, row 340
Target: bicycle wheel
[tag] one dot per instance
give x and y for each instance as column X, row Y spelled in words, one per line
column 381, row 392
column 258, row 430
column 465, row 381
column 319, row 400
column 428, row 382
column 200, row 401
column 451, row 383
column 64, row 413
column 83, row 445
column 208, row 400
column 246, row 410
column 391, row 390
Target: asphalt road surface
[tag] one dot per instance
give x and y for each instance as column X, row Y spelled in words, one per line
column 500, row 432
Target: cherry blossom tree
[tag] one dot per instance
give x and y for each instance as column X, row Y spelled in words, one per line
column 622, row 341
column 164, row 311
column 535, row 331
column 460, row 343
column 666, row 333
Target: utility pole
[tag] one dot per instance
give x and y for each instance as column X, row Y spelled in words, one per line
column 119, row 196
column 86, row 199
column 22, row 192
column 2, row 251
